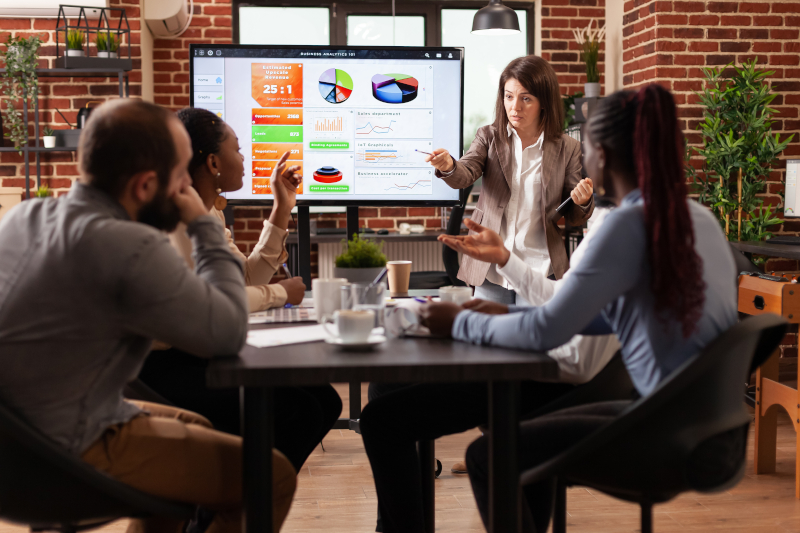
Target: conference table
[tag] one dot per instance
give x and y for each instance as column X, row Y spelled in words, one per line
column 257, row 371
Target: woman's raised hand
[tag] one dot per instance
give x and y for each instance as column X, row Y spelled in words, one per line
column 441, row 160
column 582, row 192
column 284, row 183
column 484, row 245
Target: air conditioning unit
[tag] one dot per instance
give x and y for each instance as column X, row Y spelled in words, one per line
column 47, row 8
column 167, row 18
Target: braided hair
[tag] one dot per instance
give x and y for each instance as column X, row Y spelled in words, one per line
column 641, row 130
column 207, row 132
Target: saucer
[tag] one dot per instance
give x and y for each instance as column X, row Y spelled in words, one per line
column 371, row 342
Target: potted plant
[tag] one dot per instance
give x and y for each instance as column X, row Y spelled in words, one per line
column 738, row 149
column 20, row 83
column 75, row 40
column 43, row 192
column 589, row 41
column 49, row 138
column 107, row 44
column 360, row 260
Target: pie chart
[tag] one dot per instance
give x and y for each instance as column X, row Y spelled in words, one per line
column 327, row 175
column 394, row 88
column 335, row 85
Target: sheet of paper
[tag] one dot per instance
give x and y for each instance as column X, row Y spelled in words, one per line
column 262, row 338
column 281, row 315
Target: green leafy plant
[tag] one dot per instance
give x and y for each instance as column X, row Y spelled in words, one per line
column 75, row 39
column 20, row 84
column 737, row 138
column 569, row 108
column 361, row 253
column 106, row 42
column 43, row 192
column 48, row 132
column 589, row 41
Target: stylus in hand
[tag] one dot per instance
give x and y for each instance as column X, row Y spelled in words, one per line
column 422, row 152
column 566, row 204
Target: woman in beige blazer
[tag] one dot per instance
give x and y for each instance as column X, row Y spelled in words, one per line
column 529, row 167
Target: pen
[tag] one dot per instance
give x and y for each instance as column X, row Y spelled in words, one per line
column 421, row 300
column 288, row 276
column 420, row 151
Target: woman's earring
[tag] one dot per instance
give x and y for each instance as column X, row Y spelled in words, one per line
column 220, row 202
column 601, row 190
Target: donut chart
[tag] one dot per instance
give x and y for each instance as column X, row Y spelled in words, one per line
column 394, row 88
column 335, row 85
column 327, row 175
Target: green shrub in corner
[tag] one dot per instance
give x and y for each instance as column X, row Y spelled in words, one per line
column 361, row 253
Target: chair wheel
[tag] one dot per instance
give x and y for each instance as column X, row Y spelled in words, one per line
column 438, row 468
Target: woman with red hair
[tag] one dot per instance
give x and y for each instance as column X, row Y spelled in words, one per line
column 659, row 274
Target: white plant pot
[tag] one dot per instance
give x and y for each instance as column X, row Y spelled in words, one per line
column 75, row 53
column 357, row 275
column 591, row 90
column 107, row 54
column 49, row 141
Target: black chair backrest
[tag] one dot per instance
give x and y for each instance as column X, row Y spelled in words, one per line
column 450, row 256
column 44, row 485
column 648, row 447
column 743, row 264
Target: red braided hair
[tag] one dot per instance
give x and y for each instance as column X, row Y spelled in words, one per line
column 677, row 270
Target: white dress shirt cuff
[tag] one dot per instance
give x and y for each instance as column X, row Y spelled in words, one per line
column 514, row 272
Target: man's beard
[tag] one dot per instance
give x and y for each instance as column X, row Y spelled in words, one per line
column 162, row 213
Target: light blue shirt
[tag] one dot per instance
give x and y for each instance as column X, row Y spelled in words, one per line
column 613, row 280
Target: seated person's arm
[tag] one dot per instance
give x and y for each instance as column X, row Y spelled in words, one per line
column 613, row 263
column 202, row 312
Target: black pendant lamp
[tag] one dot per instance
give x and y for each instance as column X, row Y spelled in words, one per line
column 495, row 19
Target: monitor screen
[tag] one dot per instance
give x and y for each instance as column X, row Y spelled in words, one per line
column 356, row 119
column 791, row 206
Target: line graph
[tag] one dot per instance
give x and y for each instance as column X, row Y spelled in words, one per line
column 391, row 153
column 376, row 129
column 410, row 186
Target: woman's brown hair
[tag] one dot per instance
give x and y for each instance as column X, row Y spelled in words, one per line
column 540, row 80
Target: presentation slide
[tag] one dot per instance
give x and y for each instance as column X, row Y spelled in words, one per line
column 357, row 121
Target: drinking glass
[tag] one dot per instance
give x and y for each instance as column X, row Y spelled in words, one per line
column 372, row 297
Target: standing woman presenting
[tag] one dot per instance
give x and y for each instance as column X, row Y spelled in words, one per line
column 529, row 168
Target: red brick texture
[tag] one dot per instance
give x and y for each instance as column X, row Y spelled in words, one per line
column 559, row 18
column 65, row 94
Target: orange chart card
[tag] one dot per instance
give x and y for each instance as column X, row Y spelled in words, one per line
column 277, row 84
column 267, row 151
column 278, row 116
column 263, row 169
column 261, row 186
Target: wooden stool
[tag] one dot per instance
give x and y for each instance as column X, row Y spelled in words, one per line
column 757, row 296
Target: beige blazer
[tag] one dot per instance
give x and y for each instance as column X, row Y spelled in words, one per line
column 492, row 159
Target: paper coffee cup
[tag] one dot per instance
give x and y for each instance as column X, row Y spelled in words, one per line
column 399, row 276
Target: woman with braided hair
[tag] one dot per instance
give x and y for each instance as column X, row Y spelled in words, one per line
column 658, row 273
column 303, row 415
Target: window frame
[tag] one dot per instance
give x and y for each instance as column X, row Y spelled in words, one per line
column 431, row 10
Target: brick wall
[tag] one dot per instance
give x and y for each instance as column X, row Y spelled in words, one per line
column 559, row 18
column 65, row 94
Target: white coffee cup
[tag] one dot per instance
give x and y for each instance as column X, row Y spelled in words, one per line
column 353, row 326
column 459, row 295
column 327, row 296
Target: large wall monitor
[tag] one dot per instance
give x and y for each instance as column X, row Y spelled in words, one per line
column 356, row 119
column 791, row 207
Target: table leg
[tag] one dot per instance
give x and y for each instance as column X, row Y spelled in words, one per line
column 427, row 467
column 258, row 435
column 504, row 510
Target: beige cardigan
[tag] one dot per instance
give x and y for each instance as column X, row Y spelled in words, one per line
column 265, row 259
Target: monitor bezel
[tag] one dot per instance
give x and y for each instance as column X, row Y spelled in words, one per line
column 343, row 202
column 797, row 162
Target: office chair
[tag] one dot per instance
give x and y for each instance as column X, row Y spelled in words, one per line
column 46, row 487
column 434, row 279
column 689, row 434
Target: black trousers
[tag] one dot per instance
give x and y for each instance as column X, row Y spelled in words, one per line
column 540, row 439
column 397, row 417
column 303, row 415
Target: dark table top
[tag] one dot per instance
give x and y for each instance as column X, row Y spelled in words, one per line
column 420, row 360
column 786, row 251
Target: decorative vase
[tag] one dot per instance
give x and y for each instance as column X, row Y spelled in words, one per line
column 357, row 275
column 75, row 53
column 106, row 54
column 49, row 141
column 591, row 90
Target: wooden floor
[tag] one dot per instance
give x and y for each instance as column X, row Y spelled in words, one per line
column 336, row 494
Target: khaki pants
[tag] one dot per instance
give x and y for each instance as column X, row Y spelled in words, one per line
column 175, row 454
